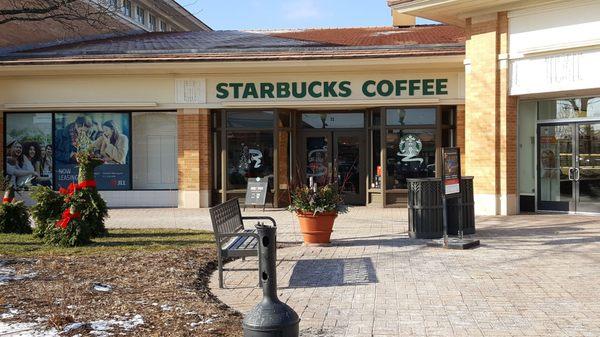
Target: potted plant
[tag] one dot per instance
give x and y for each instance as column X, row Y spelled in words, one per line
column 317, row 208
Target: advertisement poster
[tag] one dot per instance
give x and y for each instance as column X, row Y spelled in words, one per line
column 28, row 151
column 109, row 135
column 451, row 171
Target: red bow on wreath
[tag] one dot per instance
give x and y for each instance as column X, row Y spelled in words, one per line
column 7, row 200
column 77, row 187
column 67, row 216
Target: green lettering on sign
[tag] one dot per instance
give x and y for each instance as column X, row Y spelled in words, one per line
column 332, row 89
column 365, row 88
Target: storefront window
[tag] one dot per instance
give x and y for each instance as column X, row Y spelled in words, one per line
column 28, row 148
column 249, row 155
column 155, row 150
column 333, row 120
column 109, row 135
column 410, row 154
column 411, row 116
column 250, row 119
column 569, row 108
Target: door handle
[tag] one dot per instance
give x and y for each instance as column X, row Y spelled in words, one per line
column 576, row 174
column 571, row 175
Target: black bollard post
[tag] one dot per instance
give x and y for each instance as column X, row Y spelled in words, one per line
column 271, row 317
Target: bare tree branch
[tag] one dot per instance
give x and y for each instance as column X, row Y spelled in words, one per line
column 69, row 13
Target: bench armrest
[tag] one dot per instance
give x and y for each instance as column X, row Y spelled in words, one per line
column 260, row 218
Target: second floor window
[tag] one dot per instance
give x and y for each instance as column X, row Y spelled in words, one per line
column 113, row 4
column 152, row 22
column 163, row 26
column 127, row 8
column 141, row 15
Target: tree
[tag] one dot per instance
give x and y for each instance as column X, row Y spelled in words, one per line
column 67, row 12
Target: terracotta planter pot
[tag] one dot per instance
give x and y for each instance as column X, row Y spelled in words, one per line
column 316, row 229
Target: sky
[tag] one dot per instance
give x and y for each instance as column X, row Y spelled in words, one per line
column 281, row 14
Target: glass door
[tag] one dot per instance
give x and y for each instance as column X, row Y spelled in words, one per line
column 556, row 167
column 349, row 166
column 587, row 170
column 569, row 167
column 317, row 157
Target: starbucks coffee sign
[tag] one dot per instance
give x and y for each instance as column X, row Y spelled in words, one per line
column 384, row 88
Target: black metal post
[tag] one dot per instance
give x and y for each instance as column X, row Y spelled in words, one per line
column 271, row 317
column 445, row 221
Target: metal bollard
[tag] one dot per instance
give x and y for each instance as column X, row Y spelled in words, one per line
column 271, row 317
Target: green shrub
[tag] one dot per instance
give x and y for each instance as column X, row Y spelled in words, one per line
column 47, row 210
column 93, row 210
column 76, row 233
column 14, row 218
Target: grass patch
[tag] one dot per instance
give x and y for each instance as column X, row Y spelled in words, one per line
column 117, row 241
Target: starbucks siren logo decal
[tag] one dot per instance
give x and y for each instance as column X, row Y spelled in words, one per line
column 410, row 147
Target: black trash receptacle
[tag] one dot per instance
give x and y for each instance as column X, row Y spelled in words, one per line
column 425, row 208
column 462, row 209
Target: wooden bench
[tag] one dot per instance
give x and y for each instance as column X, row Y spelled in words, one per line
column 232, row 239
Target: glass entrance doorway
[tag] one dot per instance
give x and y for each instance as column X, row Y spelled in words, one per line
column 336, row 156
column 569, row 167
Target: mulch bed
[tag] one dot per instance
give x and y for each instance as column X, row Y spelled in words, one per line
column 168, row 289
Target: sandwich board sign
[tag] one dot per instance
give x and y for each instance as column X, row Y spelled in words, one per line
column 256, row 192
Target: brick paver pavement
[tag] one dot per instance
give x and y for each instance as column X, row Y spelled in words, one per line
column 535, row 275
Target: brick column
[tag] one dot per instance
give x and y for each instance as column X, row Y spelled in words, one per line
column 194, row 158
column 490, row 117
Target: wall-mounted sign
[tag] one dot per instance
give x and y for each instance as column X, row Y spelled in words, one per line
column 380, row 88
column 451, row 171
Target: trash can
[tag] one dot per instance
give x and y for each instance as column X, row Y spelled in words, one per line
column 425, row 209
column 462, row 209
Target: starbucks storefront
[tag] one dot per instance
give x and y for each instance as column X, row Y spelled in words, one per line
column 369, row 153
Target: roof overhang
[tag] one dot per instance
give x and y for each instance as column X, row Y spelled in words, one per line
column 417, row 63
column 455, row 12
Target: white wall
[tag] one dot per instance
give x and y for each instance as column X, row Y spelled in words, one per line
column 154, row 150
column 555, row 48
column 559, row 26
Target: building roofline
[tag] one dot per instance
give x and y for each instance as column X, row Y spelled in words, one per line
column 246, row 55
column 187, row 15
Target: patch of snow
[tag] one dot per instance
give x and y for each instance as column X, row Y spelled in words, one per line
column 26, row 330
column 72, row 326
column 166, row 307
column 9, row 274
column 393, row 32
column 206, row 321
column 102, row 287
column 9, row 314
column 106, row 325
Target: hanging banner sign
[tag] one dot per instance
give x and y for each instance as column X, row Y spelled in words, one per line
column 451, row 171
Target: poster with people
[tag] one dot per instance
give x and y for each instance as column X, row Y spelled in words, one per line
column 107, row 133
column 28, row 149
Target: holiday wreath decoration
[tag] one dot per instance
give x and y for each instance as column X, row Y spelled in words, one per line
column 74, row 215
column 14, row 216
